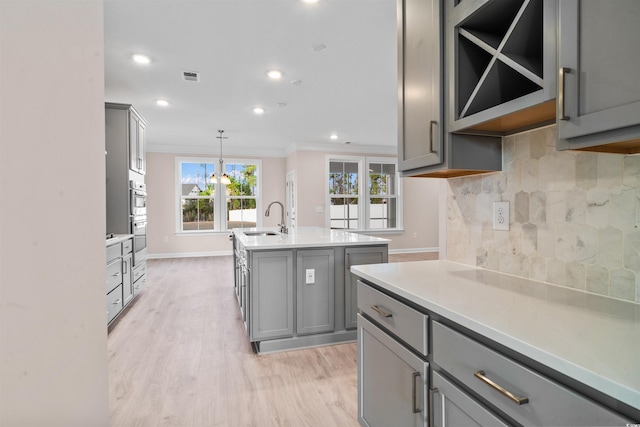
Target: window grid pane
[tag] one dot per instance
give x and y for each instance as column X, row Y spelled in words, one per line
column 344, row 213
column 241, row 212
column 197, row 213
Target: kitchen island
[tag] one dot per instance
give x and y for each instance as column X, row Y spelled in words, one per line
column 566, row 356
column 295, row 289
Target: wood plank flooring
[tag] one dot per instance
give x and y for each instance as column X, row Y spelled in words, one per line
column 179, row 357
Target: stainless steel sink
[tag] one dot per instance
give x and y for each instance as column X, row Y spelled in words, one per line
column 260, row 233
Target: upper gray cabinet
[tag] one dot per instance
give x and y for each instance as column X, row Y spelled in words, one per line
column 598, row 91
column 425, row 148
column 125, row 139
column 419, row 84
column 137, row 158
column 501, row 65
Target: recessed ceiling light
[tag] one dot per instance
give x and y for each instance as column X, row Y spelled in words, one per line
column 162, row 102
column 333, row 136
column 258, row 110
column 275, row 74
column 141, row 59
column 310, row 1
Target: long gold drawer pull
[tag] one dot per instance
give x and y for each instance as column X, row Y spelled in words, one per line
column 414, row 393
column 562, row 115
column 380, row 311
column 517, row 400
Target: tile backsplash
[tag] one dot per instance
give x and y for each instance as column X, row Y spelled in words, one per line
column 575, row 217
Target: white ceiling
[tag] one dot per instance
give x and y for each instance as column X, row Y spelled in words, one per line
column 349, row 88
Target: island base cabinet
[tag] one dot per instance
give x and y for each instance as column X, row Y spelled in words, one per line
column 392, row 381
column 271, row 305
column 452, row 407
column 315, row 286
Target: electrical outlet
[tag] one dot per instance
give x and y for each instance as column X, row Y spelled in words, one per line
column 310, row 275
column 501, row 216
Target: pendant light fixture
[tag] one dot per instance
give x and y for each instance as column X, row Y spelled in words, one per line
column 224, row 178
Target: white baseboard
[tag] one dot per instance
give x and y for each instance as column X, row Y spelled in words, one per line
column 413, row 250
column 189, row 254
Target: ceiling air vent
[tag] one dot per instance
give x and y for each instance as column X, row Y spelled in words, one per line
column 191, row 76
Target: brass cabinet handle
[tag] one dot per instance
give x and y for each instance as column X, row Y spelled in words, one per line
column 517, row 400
column 414, row 393
column 380, row 311
column 431, row 124
column 561, row 95
column 432, row 392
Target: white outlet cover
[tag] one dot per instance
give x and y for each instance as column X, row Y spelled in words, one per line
column 310, row 276
column 501, row 216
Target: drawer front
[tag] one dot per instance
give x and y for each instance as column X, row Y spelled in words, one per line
column 392, row 381
column 549, row 403
column 113, row 252
column 114, row 303
column 139, row 278
column 114, row 275
column 127, row 247
column 403, row 321
column 139, row 271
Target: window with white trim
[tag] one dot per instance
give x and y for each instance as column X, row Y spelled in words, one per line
column 363, row 193
column 205, row 204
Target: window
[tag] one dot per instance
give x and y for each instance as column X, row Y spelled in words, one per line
column 363, row 201
column 383, row 198
column 205, row 204
column 344, row 184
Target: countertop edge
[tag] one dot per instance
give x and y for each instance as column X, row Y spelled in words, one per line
column 118, row 239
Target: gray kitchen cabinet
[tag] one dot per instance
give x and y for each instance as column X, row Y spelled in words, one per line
column 127, row 278
column 270, row 298
column 452, row 407
column 501, row 67
column 315, row 286
column 419, row 66
column 511, row 388
column 117, row 276
column 474, row 381
column 598, row 92
column 425, row 147
column 115, row 303
column 392, row 379
column 137, row 158
column 358, row 256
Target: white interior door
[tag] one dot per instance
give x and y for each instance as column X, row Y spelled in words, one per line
column 291, row 200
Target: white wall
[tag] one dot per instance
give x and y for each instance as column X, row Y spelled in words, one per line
column 53, row 337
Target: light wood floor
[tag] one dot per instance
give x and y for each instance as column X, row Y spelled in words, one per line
column 179, row 357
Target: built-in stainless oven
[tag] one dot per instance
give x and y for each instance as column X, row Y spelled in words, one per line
column 138, row 198
column 139, row 231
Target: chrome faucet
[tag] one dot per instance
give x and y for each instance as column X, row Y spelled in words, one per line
column 283, row 227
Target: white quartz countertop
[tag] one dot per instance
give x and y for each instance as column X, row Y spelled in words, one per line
column 118, row 238
column 591, row 338
column 304, row 237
